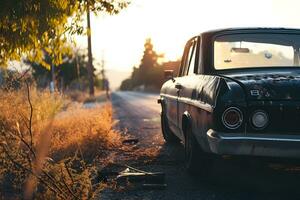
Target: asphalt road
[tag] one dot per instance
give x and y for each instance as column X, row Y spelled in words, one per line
column 233, row 178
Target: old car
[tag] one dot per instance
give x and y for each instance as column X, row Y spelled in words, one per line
column 237, row 93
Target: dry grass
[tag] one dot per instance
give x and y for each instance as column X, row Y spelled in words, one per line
column 52, row 153
column 15, row 109
column 87, row 129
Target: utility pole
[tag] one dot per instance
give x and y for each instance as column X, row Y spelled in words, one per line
column 77, row 65
column 1, row 77
column 103, row 72
column 90, row 67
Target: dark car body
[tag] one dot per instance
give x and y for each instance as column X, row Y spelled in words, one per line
column 200, row 95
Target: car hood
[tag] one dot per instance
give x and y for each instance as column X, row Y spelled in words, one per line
column 269, row 85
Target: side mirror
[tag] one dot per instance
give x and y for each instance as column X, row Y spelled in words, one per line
column 169, row 74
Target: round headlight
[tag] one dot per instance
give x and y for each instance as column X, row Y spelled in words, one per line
column 260, row 119
column 232, row 118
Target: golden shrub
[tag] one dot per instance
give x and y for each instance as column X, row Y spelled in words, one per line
column 51, row 154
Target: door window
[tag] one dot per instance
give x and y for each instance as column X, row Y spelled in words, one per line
column 188, row 64
column 192, row 56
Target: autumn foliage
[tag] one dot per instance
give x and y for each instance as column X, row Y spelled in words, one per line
column 32, row 27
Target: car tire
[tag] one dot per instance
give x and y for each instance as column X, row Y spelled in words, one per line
column 168, row 135
column 197, row 162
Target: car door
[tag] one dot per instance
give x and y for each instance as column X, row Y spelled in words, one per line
column 171, row 90
column 186, row 83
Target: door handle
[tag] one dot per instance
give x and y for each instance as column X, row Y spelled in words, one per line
column 178, row 86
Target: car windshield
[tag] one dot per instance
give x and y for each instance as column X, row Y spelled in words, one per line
column 235, row 51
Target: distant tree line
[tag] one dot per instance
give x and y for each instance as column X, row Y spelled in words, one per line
column 71, row 74
column 149, row 76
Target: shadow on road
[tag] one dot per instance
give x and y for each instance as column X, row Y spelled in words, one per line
column 232, row 178
column 264, row 178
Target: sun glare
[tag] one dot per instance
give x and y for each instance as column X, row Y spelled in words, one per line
column 171, row 22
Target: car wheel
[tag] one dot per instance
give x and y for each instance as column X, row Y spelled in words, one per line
column 168, row 135
column 196, row 161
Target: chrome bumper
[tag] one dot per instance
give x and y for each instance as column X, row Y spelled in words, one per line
column 254, row 144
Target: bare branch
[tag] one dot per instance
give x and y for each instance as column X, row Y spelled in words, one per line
column 31, row 114
column 52, row 180
column 69, row 173
column 24, row 142
column 32, row 173
column 22, row 75
column 66, row 185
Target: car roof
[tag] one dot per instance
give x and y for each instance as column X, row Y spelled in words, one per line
column 252, row 30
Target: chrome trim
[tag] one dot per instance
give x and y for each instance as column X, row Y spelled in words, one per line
column 196, row 103
column 254, row 93
column 270, row 145
column 239, row 123
column 283, row 138
column 260, row 139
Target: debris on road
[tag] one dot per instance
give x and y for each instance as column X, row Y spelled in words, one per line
column 135, row 177
column 146, row 180
column 132, row 176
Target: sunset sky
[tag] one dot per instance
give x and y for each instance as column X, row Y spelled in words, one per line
column 170, row 23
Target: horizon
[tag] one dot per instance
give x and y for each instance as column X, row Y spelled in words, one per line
column 169, row 30
column 164, row 27
column 123, row 36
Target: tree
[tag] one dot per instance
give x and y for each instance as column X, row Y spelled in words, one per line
column 73, row 69
column 126, row 84
column 148, row 63
column 149, row 73
column 30, row 27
